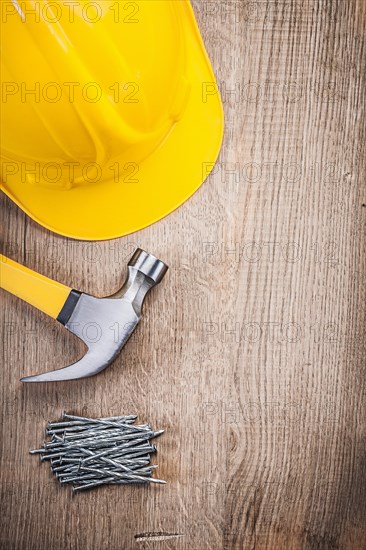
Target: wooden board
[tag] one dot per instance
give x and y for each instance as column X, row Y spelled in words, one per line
column 251, row 353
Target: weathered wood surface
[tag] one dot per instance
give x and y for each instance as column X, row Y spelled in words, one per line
column 252, row 351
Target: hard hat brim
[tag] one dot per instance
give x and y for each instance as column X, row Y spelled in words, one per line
column 161, row 183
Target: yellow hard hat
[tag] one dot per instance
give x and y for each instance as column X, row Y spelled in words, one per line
column 111, row 115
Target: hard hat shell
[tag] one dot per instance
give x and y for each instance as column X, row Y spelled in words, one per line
column 111, row 114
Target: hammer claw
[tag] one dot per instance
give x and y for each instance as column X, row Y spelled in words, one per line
column 80, row 369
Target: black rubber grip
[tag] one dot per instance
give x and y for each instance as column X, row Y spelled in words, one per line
column 68, row 307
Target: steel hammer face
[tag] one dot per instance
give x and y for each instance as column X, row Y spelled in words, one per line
column 104, row 324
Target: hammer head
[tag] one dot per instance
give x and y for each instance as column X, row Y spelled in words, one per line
column 105, row 324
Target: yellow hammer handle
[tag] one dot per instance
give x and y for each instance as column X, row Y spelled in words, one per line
column 39, row 291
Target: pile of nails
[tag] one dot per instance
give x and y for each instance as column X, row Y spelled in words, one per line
column 87, row 452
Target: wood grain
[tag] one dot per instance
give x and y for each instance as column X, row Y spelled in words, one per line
column 252, row 351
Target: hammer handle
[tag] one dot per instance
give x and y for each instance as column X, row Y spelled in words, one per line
column 45, row 294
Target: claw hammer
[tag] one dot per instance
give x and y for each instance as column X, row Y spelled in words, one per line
column 104, row 324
